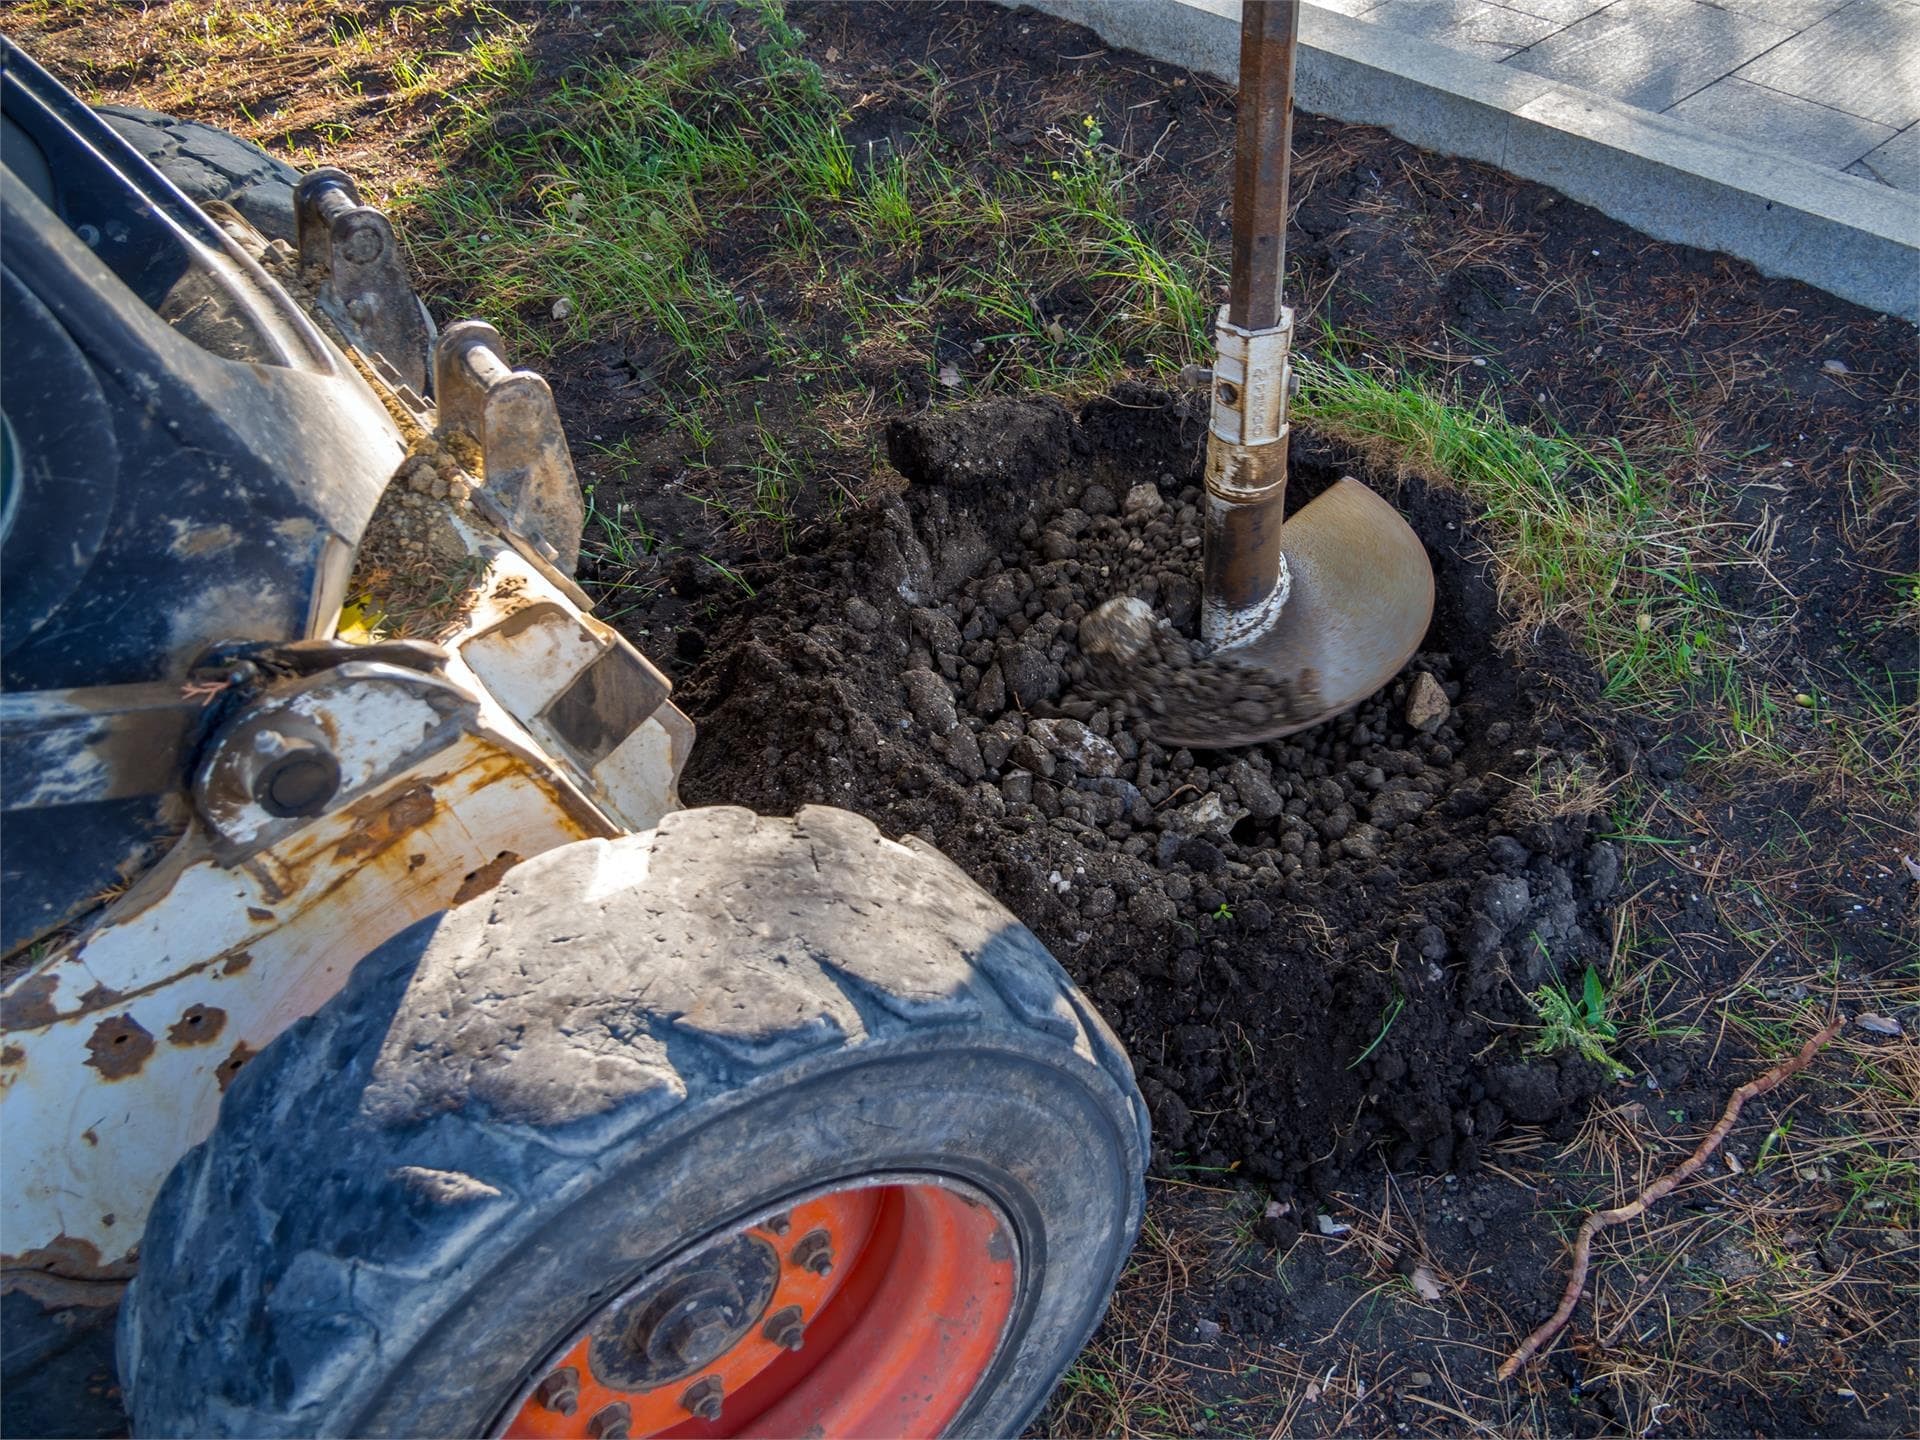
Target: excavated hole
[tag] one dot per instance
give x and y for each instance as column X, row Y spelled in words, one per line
column 1314, row 948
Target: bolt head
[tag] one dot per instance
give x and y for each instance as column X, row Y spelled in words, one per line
column 363, row 243
column 611, row 1423
column 560, row 1391
column 705, row 1398
column 786, row 1328
column 814, row 1252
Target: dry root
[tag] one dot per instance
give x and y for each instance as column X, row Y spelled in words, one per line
column 1659, row 1190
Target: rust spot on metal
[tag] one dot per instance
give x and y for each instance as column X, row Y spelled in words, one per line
column 236, row 962
column 29, row 1005
column 97, row 998
column 90, row 1135
column 415, row 861
column 230, row 1067
column 378, row 831
column 119, row 1047
column 13, row 1055
column 525, row 617
column 259, row 916
column 478, row 882
column 67, row 1272
column 198, row 1025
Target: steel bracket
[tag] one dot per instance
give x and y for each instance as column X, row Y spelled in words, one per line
column 364, row 285
column 529, row 486
column 1252, row 378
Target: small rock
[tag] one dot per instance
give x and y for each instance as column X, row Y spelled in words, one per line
column 1017, row 786
column 1029, row 752
column 950, row 375
column 936, row 627
column 930, row 701
column 562, row 308
column 963, row 753
column 1877, row 1024
column 999, row 594
column 1256, row 792
column 996, row 741
column 1119, row 629
column 1030, row 675
column 1419, row 1380
column 861, row 615
column 1362, row 842
column 1835, row 367
column 1427, row 706
column 1327, row 1225
column 990, row 695
column 1206, row 1329
column 1206, row 816
column 1078, row 746
column 1142, row 499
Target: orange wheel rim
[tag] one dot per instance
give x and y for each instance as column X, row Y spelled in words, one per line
column 874, row 1309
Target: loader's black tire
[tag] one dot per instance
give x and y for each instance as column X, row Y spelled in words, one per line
column 212, row 164
column 629, row 1045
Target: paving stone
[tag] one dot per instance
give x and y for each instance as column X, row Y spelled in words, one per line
column 1794, row 14
column 1863, row 58
column 1462, row 24
column 1783, row 122
column 1561, row 12
column 1651, row 53
column 1896, row 163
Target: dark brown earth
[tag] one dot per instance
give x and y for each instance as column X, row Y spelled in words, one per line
column 1250, row 921
column 1252, row 963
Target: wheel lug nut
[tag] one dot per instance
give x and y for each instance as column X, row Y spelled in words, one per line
column 704, row 1398
column 611, row 1423
column 560, row 1391
column 813, row 1251
column 785, row 1328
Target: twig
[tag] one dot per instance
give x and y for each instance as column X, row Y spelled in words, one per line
column 1658, row 1190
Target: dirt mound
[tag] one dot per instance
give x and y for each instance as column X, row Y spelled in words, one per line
column 1312, row 947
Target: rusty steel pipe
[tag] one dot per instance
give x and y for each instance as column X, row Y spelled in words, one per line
column 1244, row 581
column 1262, row 156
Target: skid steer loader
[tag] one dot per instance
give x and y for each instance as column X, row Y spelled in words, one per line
column 385, row 1051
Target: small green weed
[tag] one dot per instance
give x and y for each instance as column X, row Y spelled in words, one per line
column 1387, row 1017
column 1576, row 1022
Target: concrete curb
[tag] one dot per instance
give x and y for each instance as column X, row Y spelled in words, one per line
column 1669, row 178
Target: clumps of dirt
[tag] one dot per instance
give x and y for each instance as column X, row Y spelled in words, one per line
column 1313, row 947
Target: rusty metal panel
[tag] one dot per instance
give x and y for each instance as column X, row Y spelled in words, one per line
column 113, row 1056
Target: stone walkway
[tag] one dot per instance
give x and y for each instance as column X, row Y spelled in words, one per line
column 1833, row 82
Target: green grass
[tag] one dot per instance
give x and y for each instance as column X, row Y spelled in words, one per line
column 1586, row 533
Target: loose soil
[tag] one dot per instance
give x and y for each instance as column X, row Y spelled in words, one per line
column 1317, row 950
column 1250, row 921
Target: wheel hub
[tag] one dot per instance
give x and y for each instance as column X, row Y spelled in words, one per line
column 877, row 1308
column 687, row 1318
